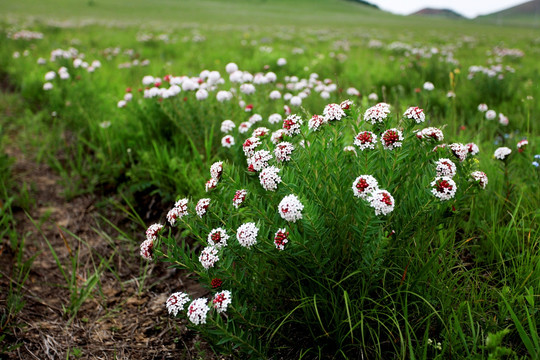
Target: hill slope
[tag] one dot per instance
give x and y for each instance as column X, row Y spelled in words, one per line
column 439, row 12
column 524, row 14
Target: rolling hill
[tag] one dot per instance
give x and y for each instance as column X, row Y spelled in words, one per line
column 526, row 14
column 447, row 13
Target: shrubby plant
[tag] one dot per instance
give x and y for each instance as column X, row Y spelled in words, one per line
column 298, row 243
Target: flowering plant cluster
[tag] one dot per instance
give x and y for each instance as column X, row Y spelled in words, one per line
column 308, row 199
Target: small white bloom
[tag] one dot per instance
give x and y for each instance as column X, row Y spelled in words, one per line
column 247, row 234
column 197, row 311
column 290, row 208
column 502, row 152
column 176, row 302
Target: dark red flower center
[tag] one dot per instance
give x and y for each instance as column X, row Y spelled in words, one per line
column 390, row 137
column 365, row 137
column 442, row 185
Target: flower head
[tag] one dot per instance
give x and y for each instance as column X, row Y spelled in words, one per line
column 247, row 234
column 290, row 208
column 283, row 151
column 239, row 198
column 491, row 114
column 277, row 136
column 146, row 249
column 522, row 145
column 502, row 152
column 216, row 283
column 197, row 311
column 377, row 113
column 430, row 133
column 416, row 114
column 382, row 201
column 281, row 238
column 482, row 108
column 346, row 104
column 250, row 145
column 428, row 86
column 218, row 238
column 176, row 302
column 274, row 118
column 227, row 125
column 445, row 167
column 153, row 231
column 391, row 139
column 210, row 184
column 365, row 140
column 333, row 112
column 269, row 178
column 227, row 141
column 202, row 207
column 472, row 148
column 259, row 160
column 209, row 257
column 216, row 170
column 364, row 185
column 443, row 188
column 222, row 300
column 316, row 122
column 292, row 124
column 178, row 211
column 481, row 178
column 260, row 132
column 459, row 150
column 244, row 127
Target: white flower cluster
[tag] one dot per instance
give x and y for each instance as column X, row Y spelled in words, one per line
column 459, row 150
column 227, row 126
column 292, row 124
column 283, row 151
column 198, row 310
column 365, row 140
column 446, row 167
column 281, row 238
column 250, row 145
column 415, row 113
column 364, row 185
column 153, row 231
column 222, row 300
column 481, row 178
column 218, row 238
column 269, row 178
column 202, row 207
column 430, row 133
column 472, row 148
column 209, row 257
column 227, row 141
column 502, row 152
column 377, row 113
column 259, row 160
column 239, row 198
column 178, row 211
column 247, row 234
column 316, row 122
column 216, row 170
column 176, row 302
column 290, row 208
column 333, row 112
column 443, row 188
column 382, row 202
column 391, row 139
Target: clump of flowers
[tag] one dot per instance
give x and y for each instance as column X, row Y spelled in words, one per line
column 391, row 139
column 239, row 198
column 377, row 113
column 443, row 188
column 316, row 122
column 292, row 124
column 269, row 178
column 198, row 310
column 218, row 238
column 202, row 207
column 416, row 114
column 176, row 302
column 281, row 238
column 283, row 151
column 247, row 234
column 178, row 211
column 382, row 201
column 333, row 112
column 364, row 185
column 290, row 208
column 502, row 153
column 481, row 178
column 222, row 300
column 365, row 140
column 445, row 167
column 209, row 257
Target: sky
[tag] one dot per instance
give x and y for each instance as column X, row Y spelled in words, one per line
column 468, row 8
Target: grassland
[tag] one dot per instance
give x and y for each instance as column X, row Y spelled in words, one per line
column 474, row 286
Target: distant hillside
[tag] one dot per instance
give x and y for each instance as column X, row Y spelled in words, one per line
column 439, row 12
column 365, row 3
column 525, row 14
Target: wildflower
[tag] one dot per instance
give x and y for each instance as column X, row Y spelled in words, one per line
column 482, row 108
column 459, row 150
column 259, row 160
column 522, row 145
column 244, row 127
column 218, row 238
column 216, row 170
column 178, row 211
column 201, row 94
column 48, row 86
column 333, row 112
column 211, row 184
column 353, row 92
column 373, row 97
column 283, row 151
column 292, row 124
column 260, row 132
column 287, row 110
column 535, row 163
column 231, row 67
column 197, row 311
column 247, row 234
column 503, row 120
column 430, row 133
column 250, row 145
column 364, row 185
column 146, row 249
column 316, row 122
column 472, row 148
column 274, row 95
column 269, row 178
column 429, row 86
column 445, row 167
column 248, row 108
column 281, row 238
column 481, row 178
column 247, row 89
column 365, row 140
column 202, row 207
column 444, row 188
column 274, row 118
column 209, row 257
column 222, row 300
column 296, row 101
column 176, row 302
column 502, row 152
column 255, row 118
column 346, row 104
column 382, row 201
column 224, row 95
column 227, row 141
column 153, row 231
column 391, row 139
column 50, row 76
column 216, row 283
column 491, row 114
column 290, row 208
column 239, row 198
column 350, row 149
column 281, row 62
column 377, row 113
column 415, row 113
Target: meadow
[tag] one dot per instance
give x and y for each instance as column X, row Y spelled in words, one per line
column 114, row 119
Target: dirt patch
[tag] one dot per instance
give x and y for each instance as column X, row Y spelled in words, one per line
column 124, row 317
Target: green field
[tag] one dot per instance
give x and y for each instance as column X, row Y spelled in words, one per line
column 429, row 279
